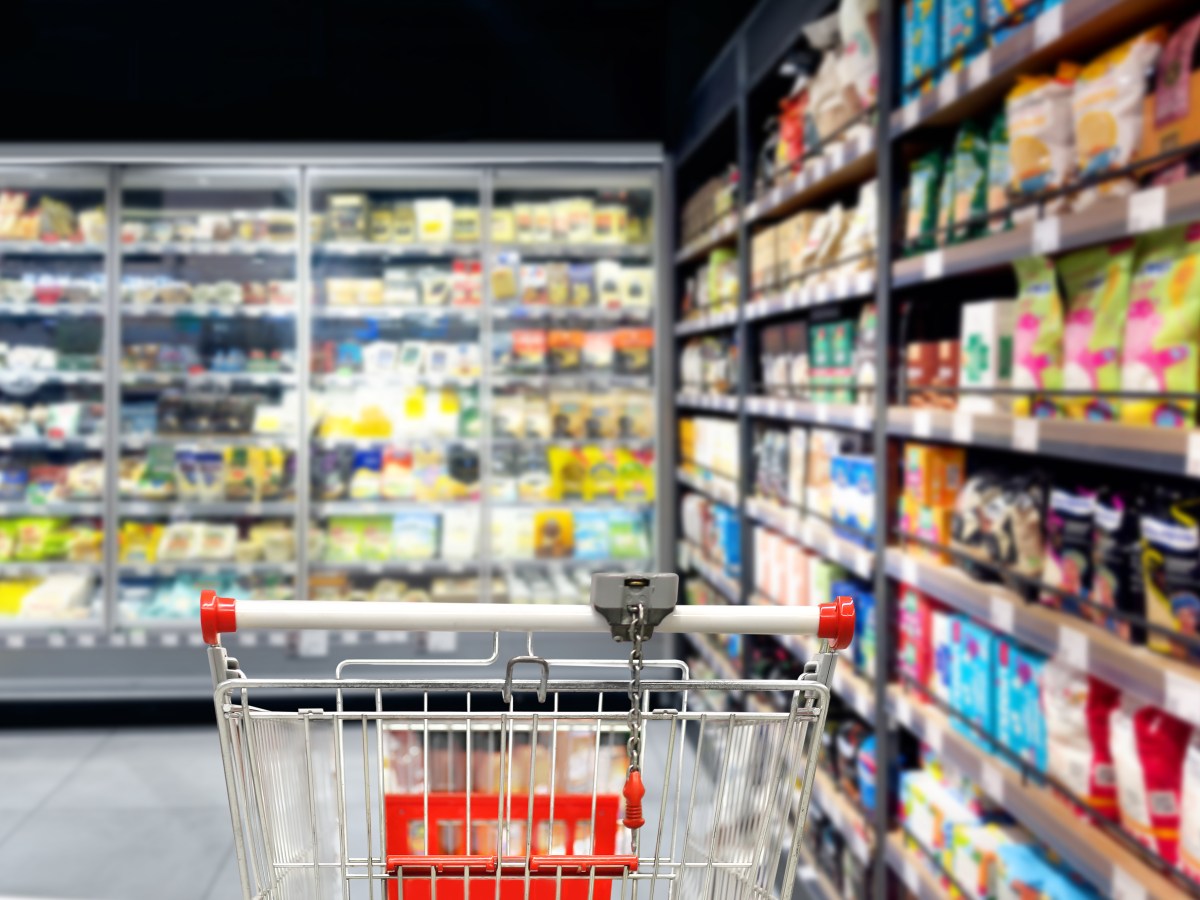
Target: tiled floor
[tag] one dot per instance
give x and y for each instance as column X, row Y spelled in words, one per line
column 135, row 814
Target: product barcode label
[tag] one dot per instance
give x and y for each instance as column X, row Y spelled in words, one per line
column 1025, row 435
column 963, row 428
column 1126, row 886
column 1046, row 236
column 1073, row 647
column 922, row 423
column 933, row 265
column 1147, row 210
column 1002, row 614
column 993, row 782
column 1047, row 27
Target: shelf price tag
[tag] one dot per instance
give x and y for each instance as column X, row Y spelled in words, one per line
column 313, row 644
column 247, row 640
column 277, row 639
column 933, row 265
column 1025, row 435
column 169, row 639
column 1147, row 210
column 821, row 413
column 1002, row 614
column 993, row 782
column 922, row 423
column 56, row 641
column 932, row 735
column 837, row 156
column 1192, row 466
column 909, row 573
column 979, row 70
column 1073, row 647
column 963, row 428
column 1047, row 236
column 948, row 89
column 862, row 418
column 14, row 641
column 909, row 113
column 1047, row 27
column 908, row 872
column 1126, row 887
column 1182, row 696
column 442, row 642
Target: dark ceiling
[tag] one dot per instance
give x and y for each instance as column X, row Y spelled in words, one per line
column 358, row 70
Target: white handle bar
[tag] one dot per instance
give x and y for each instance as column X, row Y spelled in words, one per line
column 219, row 615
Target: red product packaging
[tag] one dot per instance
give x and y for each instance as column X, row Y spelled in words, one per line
column 915, row 658
column 1148, row 747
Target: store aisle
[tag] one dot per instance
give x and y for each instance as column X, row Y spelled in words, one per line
column 127, row 813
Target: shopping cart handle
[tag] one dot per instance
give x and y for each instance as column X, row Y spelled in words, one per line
column 223, row 615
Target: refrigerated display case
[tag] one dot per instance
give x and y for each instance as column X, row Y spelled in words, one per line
column 363, row 375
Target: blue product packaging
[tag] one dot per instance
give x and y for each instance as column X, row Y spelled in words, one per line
column 867, row 773
column 864, row 500
column 591, row 534
column 841, row 478
column 1014, row 14
column 921, row 26
column 729, row 541
column 864, row 628
column 1027, row 676
column 973, row 691
column 960, row 30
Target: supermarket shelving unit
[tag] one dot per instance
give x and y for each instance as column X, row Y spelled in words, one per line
column 720, row 131
column 141, row 184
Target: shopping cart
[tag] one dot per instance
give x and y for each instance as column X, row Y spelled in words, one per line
column 496, row 787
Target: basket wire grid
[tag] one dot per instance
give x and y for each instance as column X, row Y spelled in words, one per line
column 533, row 788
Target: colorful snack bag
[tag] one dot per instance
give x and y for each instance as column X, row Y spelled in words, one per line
column 1162, row 331
column 1077, row 735
column 1107, row 104
column 1040, row 137
column 970, row 182
column 1037, row 344
column 1117, row 563
column 1149, row 746
column 999, row 174
column 960, row 32
column 1096, row 281
column 923, row 180
column 1171, row 571
column 922, row 20
column 1068, row 558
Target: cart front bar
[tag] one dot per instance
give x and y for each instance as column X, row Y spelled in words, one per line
column 223, row 615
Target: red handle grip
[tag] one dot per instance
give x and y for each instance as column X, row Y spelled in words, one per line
column 837, row 622
column 634, row 792
column 218, row 615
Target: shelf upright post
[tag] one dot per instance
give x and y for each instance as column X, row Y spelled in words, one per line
column 745, row 369
column 487, row 189
column 666, row 284
column 885, row 318
column 111, row 359
column 303, row 336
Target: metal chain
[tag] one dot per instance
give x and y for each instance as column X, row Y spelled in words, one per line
column 636, row 634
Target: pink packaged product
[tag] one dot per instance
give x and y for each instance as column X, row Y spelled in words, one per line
column 795, row 575
column 1078, row 754
column 1149, row 747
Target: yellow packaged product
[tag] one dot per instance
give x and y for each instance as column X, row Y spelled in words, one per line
column 554, row 534
column 601, row 481
column 1040, row 132
column 139, row 542
column 568, row 473
column 1107, row 103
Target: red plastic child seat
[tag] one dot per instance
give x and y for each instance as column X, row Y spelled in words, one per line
column 448, row 825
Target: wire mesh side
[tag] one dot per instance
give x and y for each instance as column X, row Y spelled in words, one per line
column 317, row 793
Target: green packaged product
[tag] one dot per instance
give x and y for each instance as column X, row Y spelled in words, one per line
column 924, row 176
column 1162, row 330
column 1096, row 282
column 999, row 175
column 945, row 207
column 1037, row 338
column 970, row 182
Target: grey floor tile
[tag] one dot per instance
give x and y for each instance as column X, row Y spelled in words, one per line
column 34, row 763
column 165, row 768
column 114, row 854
